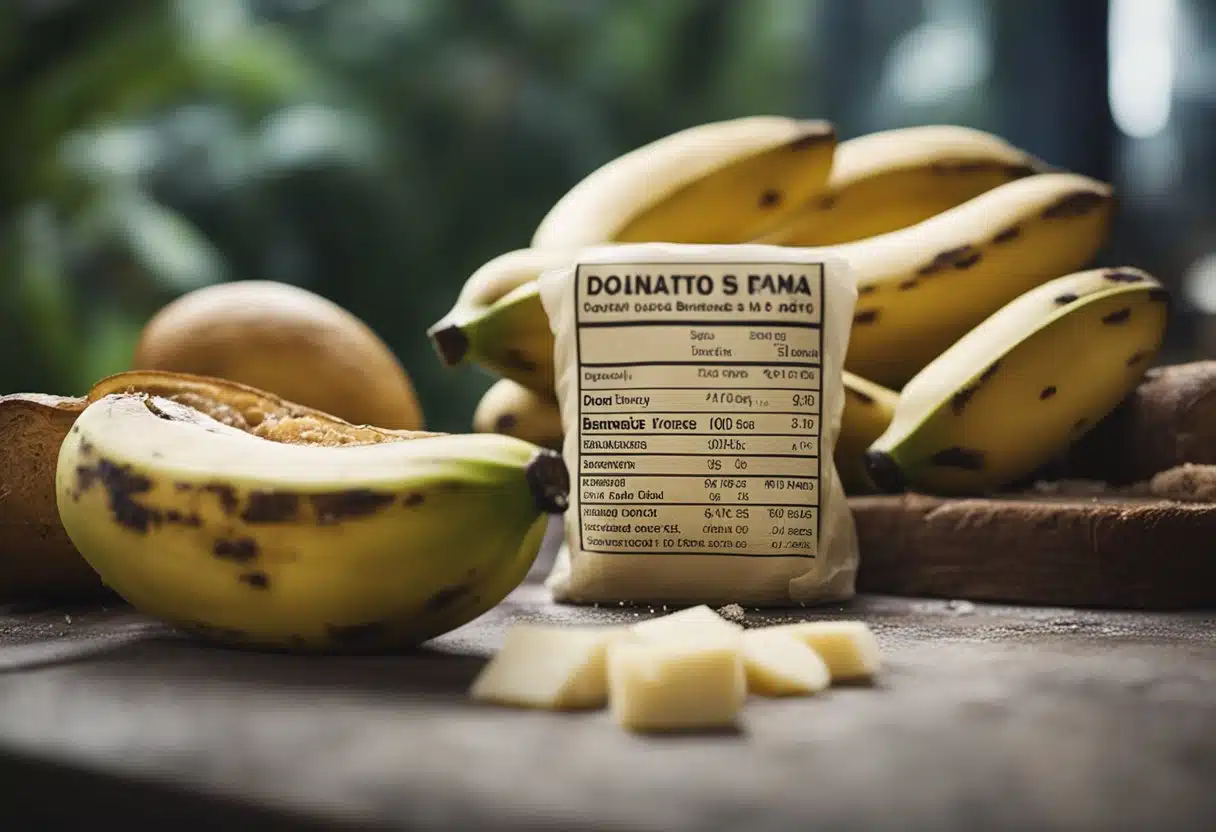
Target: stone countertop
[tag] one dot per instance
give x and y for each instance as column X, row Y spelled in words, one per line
column 987, row 717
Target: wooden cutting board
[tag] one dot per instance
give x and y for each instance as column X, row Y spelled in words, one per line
column 1101, row 550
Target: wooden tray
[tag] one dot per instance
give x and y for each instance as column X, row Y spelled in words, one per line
column 1096, row 551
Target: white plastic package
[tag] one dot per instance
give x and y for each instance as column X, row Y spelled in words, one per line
column 701, row 396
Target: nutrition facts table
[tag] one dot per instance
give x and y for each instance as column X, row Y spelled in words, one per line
column 699, row 408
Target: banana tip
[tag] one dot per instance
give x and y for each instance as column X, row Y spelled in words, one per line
column 884, row 472
column 450, row 342
column 549, row 481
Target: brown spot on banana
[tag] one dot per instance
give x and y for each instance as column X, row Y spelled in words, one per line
column 1123, row 276
column 446, row 597
column 1008, row 235
column 865, row 316
column 862, row 291
column 271, row 507
column 1074, row 205
column 333, row 507
column 1136, row 357
column 968, row 459
column 505, row 422
column 1047, row 392
column 911, row 283
column 1119, row 316
column 951, row 258
column 241, row 550
column 256, row 580
column 1065, row 299
column 226, row 495
column 770, row 198
column 990, row 372
column 958, row 402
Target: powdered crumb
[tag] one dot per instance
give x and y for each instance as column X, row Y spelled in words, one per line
column 732, row 612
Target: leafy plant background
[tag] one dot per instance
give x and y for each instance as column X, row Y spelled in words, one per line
column 378, row 151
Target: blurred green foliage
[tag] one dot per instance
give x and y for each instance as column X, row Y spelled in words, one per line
column 373, row 151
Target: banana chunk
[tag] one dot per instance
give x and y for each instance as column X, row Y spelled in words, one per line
column 780, row 664
column 848, row 648
column 692, row 620
column 695, row 681
column 559, row 668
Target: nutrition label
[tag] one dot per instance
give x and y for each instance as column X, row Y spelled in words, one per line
column 699, row 408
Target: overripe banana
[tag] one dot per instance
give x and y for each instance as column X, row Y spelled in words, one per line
column 921, row 288
column 885, row 181
column 511, row 409
column 720, row 182
column 1020, row 387
column 868, row 408
column 271, row 544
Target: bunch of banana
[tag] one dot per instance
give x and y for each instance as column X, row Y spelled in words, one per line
column 300, row 546
column 1016, row 390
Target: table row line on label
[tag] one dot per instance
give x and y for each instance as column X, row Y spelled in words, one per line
column 713, row 530
column 646, row 343
column 699, row 377
column 735, row 444
column 678, row 464
column 689, row 424
column 706, row 400
column 636, row 491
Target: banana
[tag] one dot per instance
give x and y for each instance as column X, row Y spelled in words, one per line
column 1023, row 385
column 511, row 409
column 269, row 544
column 868, row 409
column 921, row 288
column 516, row 342
column 720, row 182
column 885, row 181
column 511, row 337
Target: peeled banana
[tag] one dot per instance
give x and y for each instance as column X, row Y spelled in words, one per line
column 511, row 409
column 1020, row 387
column 262, row 543
column 885, row 181
column 720, row 182
column 921, row 288
column 868, row 408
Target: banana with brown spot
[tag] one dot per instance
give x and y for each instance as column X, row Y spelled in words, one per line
column 296, row 546
column 885, row 181
column 511, row 409
column 922, row 288
column 718, row 182
column 1024, row 384
column 868, row 408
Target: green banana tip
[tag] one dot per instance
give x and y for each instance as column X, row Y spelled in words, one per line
column 450, row 343
column 884, row 473
column 549, row 481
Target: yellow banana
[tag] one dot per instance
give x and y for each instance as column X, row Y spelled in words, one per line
column 271, row 544
column 720, row 182
column 510, row 337
column 923, row 287
column 1020, row 387
column 885, row 181
column 868, row 409
column 511, row 409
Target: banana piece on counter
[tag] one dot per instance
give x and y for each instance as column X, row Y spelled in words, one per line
column 511, row 409
column 1019, row 388
column 885, row 181
column 720, row 182
column 261, row 543
column 922, row 288
column 868, row 409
